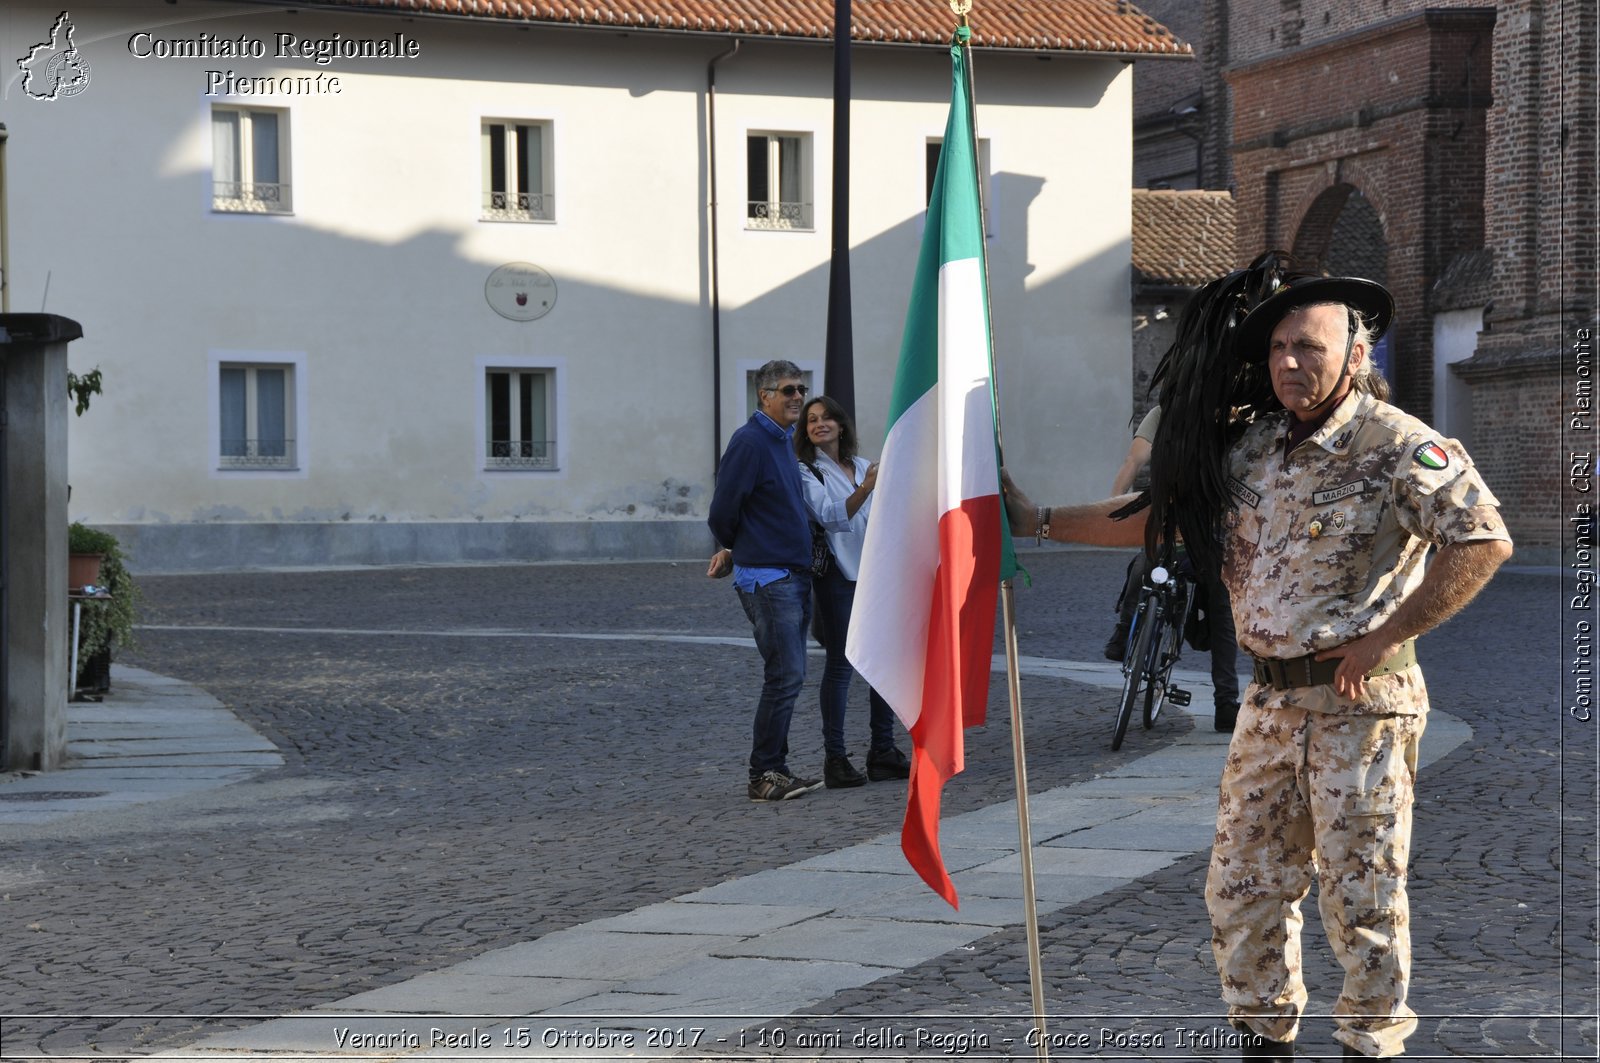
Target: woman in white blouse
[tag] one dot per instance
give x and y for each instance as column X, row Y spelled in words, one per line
column 838, row 485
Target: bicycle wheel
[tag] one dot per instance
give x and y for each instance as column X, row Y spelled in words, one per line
column 1165, row 653
column 1155, row 676
column 1144, row 621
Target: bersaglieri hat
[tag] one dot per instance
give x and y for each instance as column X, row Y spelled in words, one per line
column 1371, row 299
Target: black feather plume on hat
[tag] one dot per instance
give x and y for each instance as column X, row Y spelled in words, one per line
column 1207, row 393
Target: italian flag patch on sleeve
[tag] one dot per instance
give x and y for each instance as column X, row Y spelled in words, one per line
column 1432, row 455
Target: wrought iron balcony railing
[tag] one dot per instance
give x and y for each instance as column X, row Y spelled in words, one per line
column 765, row 215
column 257, row 454
column 521, row 454
column 256, row 198
column 519, row 206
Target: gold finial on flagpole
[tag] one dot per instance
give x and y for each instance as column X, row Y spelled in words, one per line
column 961, row 7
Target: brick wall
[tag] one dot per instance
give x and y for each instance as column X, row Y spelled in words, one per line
column 1517, row 412
column 1313, row 105
column 1261, row 28
column 1540, row 222
column 1394, row 115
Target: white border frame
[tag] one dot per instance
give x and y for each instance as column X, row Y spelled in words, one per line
column 215, row 358
column 480, row 426
column 550, row 122
column 813, row 143
column 286, row 153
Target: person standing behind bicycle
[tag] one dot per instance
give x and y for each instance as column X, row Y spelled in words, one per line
column 1336, row 499
column 1212, row 594
column 838, row 485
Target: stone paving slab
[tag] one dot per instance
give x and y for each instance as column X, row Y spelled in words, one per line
column 925, row 906
column 157, row 745
column 462, row 991
column 1120, row 864
column 751, row 985
column 888, row 859
column 680, row 917
column 833, row 889
column 583, row 952
column 885, row 942
column 1137, row 835
column 217, row 759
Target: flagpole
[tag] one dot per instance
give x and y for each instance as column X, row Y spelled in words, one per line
column 1013, row 674
column 1020, row 765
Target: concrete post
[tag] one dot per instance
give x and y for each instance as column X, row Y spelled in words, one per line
column 33, row 544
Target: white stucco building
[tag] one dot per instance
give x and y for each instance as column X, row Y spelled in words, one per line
column 468, row 298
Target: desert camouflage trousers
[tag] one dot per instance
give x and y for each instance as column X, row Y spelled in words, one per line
column 1313, row 793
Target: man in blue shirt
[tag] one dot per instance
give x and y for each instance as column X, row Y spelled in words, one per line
column 758, row 516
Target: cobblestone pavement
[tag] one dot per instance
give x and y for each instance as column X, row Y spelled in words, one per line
column 447, row 793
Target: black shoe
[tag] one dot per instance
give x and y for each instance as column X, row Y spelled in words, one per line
column 1225, row 716
column 1117, row 644
column 1254, row 1046
column 888, row 764
column 839, row 773
column 777, row 786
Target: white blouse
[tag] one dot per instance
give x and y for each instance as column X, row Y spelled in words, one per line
column 825, row 501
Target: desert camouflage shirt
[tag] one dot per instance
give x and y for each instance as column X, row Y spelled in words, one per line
column 1321, row 546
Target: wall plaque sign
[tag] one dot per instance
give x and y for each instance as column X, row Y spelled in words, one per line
column 520, row 291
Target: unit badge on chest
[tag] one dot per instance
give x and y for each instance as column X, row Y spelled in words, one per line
column 1333, row 522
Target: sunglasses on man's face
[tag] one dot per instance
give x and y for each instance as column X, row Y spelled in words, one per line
column 789, row 391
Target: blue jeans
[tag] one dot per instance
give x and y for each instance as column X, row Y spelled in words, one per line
column 779, row 612
column 835, row 596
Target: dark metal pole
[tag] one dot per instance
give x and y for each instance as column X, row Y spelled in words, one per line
column 716, row 284
column 5, row 519
column 839, row 358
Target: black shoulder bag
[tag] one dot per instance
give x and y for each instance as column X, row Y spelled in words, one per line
column 821, row 556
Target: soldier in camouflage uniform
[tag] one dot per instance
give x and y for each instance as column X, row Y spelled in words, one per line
column 1337, row 499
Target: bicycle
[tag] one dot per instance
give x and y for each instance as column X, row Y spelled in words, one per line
column 1155, row 642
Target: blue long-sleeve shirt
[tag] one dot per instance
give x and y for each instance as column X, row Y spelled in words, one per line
column 758, row 508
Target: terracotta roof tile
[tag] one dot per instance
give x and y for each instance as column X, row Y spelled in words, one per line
column 1182, row 238
column 1467, row 282
column 1114, row 26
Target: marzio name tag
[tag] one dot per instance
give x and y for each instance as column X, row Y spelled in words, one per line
column 1243, row 493
column 1354, row 487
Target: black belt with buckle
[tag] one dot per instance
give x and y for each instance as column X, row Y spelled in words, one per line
column 1288, row 673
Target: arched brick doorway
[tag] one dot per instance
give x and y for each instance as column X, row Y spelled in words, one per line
column 1342, row 234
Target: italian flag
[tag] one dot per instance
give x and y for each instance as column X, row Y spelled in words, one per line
column 936, row 548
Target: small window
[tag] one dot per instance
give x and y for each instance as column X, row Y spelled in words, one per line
column 518, row 178
column 935, row 148
column 519, row 415
column 257, row 404
column 778, row 178
column 250, row 161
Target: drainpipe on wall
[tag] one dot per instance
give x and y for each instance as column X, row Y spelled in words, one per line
column 5, row 542
column 5, row 231
column 716, row 292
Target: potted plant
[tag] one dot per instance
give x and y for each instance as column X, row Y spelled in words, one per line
column 105, row 624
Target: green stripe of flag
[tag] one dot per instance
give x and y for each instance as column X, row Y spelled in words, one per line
column 954, row 231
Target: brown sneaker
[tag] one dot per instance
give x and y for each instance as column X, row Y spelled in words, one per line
column 776, row 786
